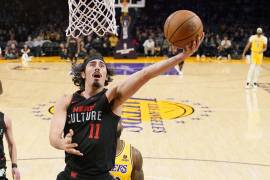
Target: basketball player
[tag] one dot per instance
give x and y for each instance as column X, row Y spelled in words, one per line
column 258, row 45
column 128, row 161
column 6, row 129
column 84, row 124
column 73, row 49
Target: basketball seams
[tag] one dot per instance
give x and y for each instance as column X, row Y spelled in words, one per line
column 168, row 23
column 189, row 35
column 181, row 26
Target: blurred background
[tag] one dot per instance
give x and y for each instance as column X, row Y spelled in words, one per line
column 41, row 26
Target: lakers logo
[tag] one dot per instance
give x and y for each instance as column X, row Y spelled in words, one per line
column 51, row 110
column 152, row 109
column 137, row 110
column 139, row 114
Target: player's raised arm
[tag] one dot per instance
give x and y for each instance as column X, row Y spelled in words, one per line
column 135, row 81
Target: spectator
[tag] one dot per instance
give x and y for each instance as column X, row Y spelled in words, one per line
column 113, row 40
column 0, row 53
column 72, row 49
column 225, row 48
column 149, row 45
column 37, row 46
column 11, row 52
column 82, row 50
column 165, row 47
column 12, row 41
column 97, row 43
column 88, row 44
column 29, row 43
column 158, row 43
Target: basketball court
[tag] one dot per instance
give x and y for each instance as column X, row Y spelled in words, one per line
column 203, row 125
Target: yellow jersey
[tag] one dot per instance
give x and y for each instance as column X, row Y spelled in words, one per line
column 257, row 43
column 123, row 163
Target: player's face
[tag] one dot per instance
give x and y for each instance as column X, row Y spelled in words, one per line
column 95, row 73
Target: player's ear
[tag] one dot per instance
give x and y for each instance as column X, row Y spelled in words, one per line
column 83, row 74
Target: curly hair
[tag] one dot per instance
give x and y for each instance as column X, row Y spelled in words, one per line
column 77, row 78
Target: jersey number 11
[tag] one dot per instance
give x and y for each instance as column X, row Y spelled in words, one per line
column 94, row 131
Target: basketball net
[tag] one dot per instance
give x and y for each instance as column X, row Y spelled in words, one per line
column 91, row 16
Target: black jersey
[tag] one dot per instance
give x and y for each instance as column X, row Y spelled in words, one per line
column 95, row 126
column 72, row 46
column 2, row 131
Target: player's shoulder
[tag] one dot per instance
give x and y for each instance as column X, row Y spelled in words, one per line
column 252, row 37
column 64, row 100
column 67, row 97
column 264, row 37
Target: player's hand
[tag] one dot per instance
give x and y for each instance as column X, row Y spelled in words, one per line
column 243, row 57
column 69, row 147
column 193, row 46
column 16, row 174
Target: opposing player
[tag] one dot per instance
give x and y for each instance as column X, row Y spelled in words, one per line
column 73, row 49
column 128, row 161
column 258, row 43
column 84, row 124
column 6, row 129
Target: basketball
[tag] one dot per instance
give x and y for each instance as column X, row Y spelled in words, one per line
column 182, row 27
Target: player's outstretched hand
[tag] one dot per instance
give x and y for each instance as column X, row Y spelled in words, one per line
column 193, row 46
column 69, row 147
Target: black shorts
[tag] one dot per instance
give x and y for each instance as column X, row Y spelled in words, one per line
column 68, row 176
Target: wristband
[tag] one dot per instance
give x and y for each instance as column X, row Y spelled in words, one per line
column 14, row 165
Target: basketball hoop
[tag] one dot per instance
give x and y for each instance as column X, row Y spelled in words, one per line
column 91, row 16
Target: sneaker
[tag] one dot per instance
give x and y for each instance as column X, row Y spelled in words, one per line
column 255, row 85
column 248, row 85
